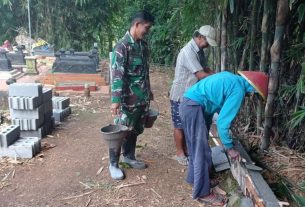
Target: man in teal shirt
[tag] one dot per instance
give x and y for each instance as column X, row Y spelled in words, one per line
column 223, row 93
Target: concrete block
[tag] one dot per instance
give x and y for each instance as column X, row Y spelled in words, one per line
column 26, row 147
column 59, row 115
column 48, row 116
column 41, row 132
column 33, row 133
column 46, row 95
column 28, row 114
column 25, row 89
column 28, row 124
column 9, row 135
column 60, row 102
column 30, row 140
column 6, row 152
column 24, row 103
column 48, row 107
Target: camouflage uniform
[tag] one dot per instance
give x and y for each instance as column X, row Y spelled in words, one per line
column 131, row 87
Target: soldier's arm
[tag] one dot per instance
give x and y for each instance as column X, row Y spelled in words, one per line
column 117, row 71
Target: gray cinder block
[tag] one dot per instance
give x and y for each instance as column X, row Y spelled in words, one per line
column 47, row 107
column 24, row 103
column 9, row 135
column 28, row 124
column 28, row 114
column 46, row 95
column 41, row 132
column 25, row 89
column 59, row 115
column 60, row 102
column 26, row 147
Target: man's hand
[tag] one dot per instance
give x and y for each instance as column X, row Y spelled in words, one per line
column 234, row 155
column 209, row 71
column 115, row 109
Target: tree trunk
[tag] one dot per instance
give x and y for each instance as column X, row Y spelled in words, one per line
column 263, row 55
column 253, row 35
column 218, row 40
column 275, row 52
column 242, row 63
column 224, row 55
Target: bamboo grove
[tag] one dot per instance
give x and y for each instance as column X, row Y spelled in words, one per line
column 265, row 35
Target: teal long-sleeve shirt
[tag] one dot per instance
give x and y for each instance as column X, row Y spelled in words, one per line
column 223, row 93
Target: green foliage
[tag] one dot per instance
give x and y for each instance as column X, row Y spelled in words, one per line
column 284, row 190
column 301, row 13
column 298, row 117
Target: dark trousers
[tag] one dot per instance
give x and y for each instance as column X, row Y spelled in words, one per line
column 200, row 159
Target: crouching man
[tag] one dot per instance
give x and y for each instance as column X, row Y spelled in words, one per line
column 223, row 93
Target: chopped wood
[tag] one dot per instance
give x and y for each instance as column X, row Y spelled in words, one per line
column 159, row 196
column 100, row 170
column 78, row 196
column 129, row 185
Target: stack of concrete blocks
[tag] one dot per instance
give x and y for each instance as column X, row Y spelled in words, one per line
column 31, row 109
column 12, row 145
column 61, row 108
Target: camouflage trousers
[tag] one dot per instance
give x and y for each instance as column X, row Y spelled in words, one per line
column 134, row 118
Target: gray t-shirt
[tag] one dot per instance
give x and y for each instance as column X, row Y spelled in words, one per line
column 188, row 63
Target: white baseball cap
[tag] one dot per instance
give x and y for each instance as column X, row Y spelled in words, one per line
column 209, row 33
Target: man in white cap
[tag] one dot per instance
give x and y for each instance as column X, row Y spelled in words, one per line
column 191, row 66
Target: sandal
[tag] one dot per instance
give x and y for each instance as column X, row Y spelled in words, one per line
column 182, row 160
column 213, row 200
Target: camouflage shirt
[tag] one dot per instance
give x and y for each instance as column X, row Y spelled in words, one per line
column 130, row 72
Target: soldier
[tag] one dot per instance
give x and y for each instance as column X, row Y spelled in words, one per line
column 130, row 89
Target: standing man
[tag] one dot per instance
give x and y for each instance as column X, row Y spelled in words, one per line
column 222, row 93
column 130, row 89
column 191, row 66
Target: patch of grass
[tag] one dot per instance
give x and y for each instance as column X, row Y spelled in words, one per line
column 124, row 165
column 93, row 184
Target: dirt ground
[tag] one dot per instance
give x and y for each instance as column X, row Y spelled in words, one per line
column 65, row 173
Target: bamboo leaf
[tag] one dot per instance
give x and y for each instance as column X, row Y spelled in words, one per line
column 301, row 13
column 302, row 185
column 297, row 118
column 300, row 200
